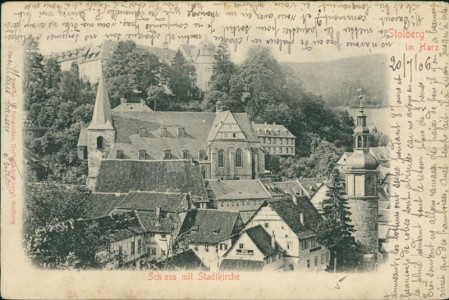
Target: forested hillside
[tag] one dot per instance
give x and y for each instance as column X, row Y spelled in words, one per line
column 338, row 81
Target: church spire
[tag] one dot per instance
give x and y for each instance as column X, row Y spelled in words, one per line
column 102, row 117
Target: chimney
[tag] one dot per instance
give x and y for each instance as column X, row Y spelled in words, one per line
column 273, row 241
column 158, row 215
column 165, row 45
column 189, row 202
column 123, row 100
column 219, row 106
column 142, row 102
column 274, row 123
column 301, row 218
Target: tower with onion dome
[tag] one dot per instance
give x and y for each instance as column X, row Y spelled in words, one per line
column 361, row 186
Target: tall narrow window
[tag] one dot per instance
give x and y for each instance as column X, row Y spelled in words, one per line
column 220, row 158
column 185, row 154
column 203, row 173
column 100, row 142
column 238, row 158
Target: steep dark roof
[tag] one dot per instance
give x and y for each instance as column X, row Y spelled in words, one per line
column 103, row 204
column 241, row 265
column 123, row 176
column 187, row 260
column 209, row 226
column 262, row 240
column 312, row 217
column 149, row 201
column 290, row 213
column 238, row 189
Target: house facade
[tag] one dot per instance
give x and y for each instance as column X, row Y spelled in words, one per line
column 294, row 229
column 210, row 233
column 254, row 250
column 224, row 144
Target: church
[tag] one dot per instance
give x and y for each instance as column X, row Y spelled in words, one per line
column 224, row 144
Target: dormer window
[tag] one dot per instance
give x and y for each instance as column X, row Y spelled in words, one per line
column 163, row 131
column 181, row 132
column 119, row 154
column 143, row 132
column 142, row 154
column 185, row 154
column 167, row 154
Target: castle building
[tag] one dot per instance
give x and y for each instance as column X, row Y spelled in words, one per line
column 91, row 59
column 362, row 187
column 223, row 143
column 275, row 139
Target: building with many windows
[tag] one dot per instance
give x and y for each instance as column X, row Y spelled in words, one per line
column 224, row 144
column 275, row 139
column 92, row 58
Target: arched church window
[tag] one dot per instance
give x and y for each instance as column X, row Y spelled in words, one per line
column 100, row 142
column 220, row 158
column 238, row 158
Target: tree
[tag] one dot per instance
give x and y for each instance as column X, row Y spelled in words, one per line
column 335, row 232
column 131, row 71
column 182, row 79
column 225, row 84
column 264, row 80
column 33, row 82
column 56, row 234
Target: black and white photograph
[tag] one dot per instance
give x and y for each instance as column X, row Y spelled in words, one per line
column 225, row 150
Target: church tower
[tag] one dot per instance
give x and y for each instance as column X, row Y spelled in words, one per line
column 100, row 132
column 361, row 186
column 204, row 63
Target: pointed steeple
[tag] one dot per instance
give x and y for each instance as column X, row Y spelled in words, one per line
column 102, row 117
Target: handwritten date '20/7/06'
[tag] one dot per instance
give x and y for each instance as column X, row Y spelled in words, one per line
column 409, row 65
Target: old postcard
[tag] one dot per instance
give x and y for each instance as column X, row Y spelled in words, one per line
column 241, row 150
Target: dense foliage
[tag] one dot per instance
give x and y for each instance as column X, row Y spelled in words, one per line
column 335, row 232
column 270, row 92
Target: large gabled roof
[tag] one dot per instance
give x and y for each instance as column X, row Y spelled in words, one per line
column 237, row 189
column 290, row 213
column 149, row 201
column 209, row 226
column 103, row 204
column 124, row 176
